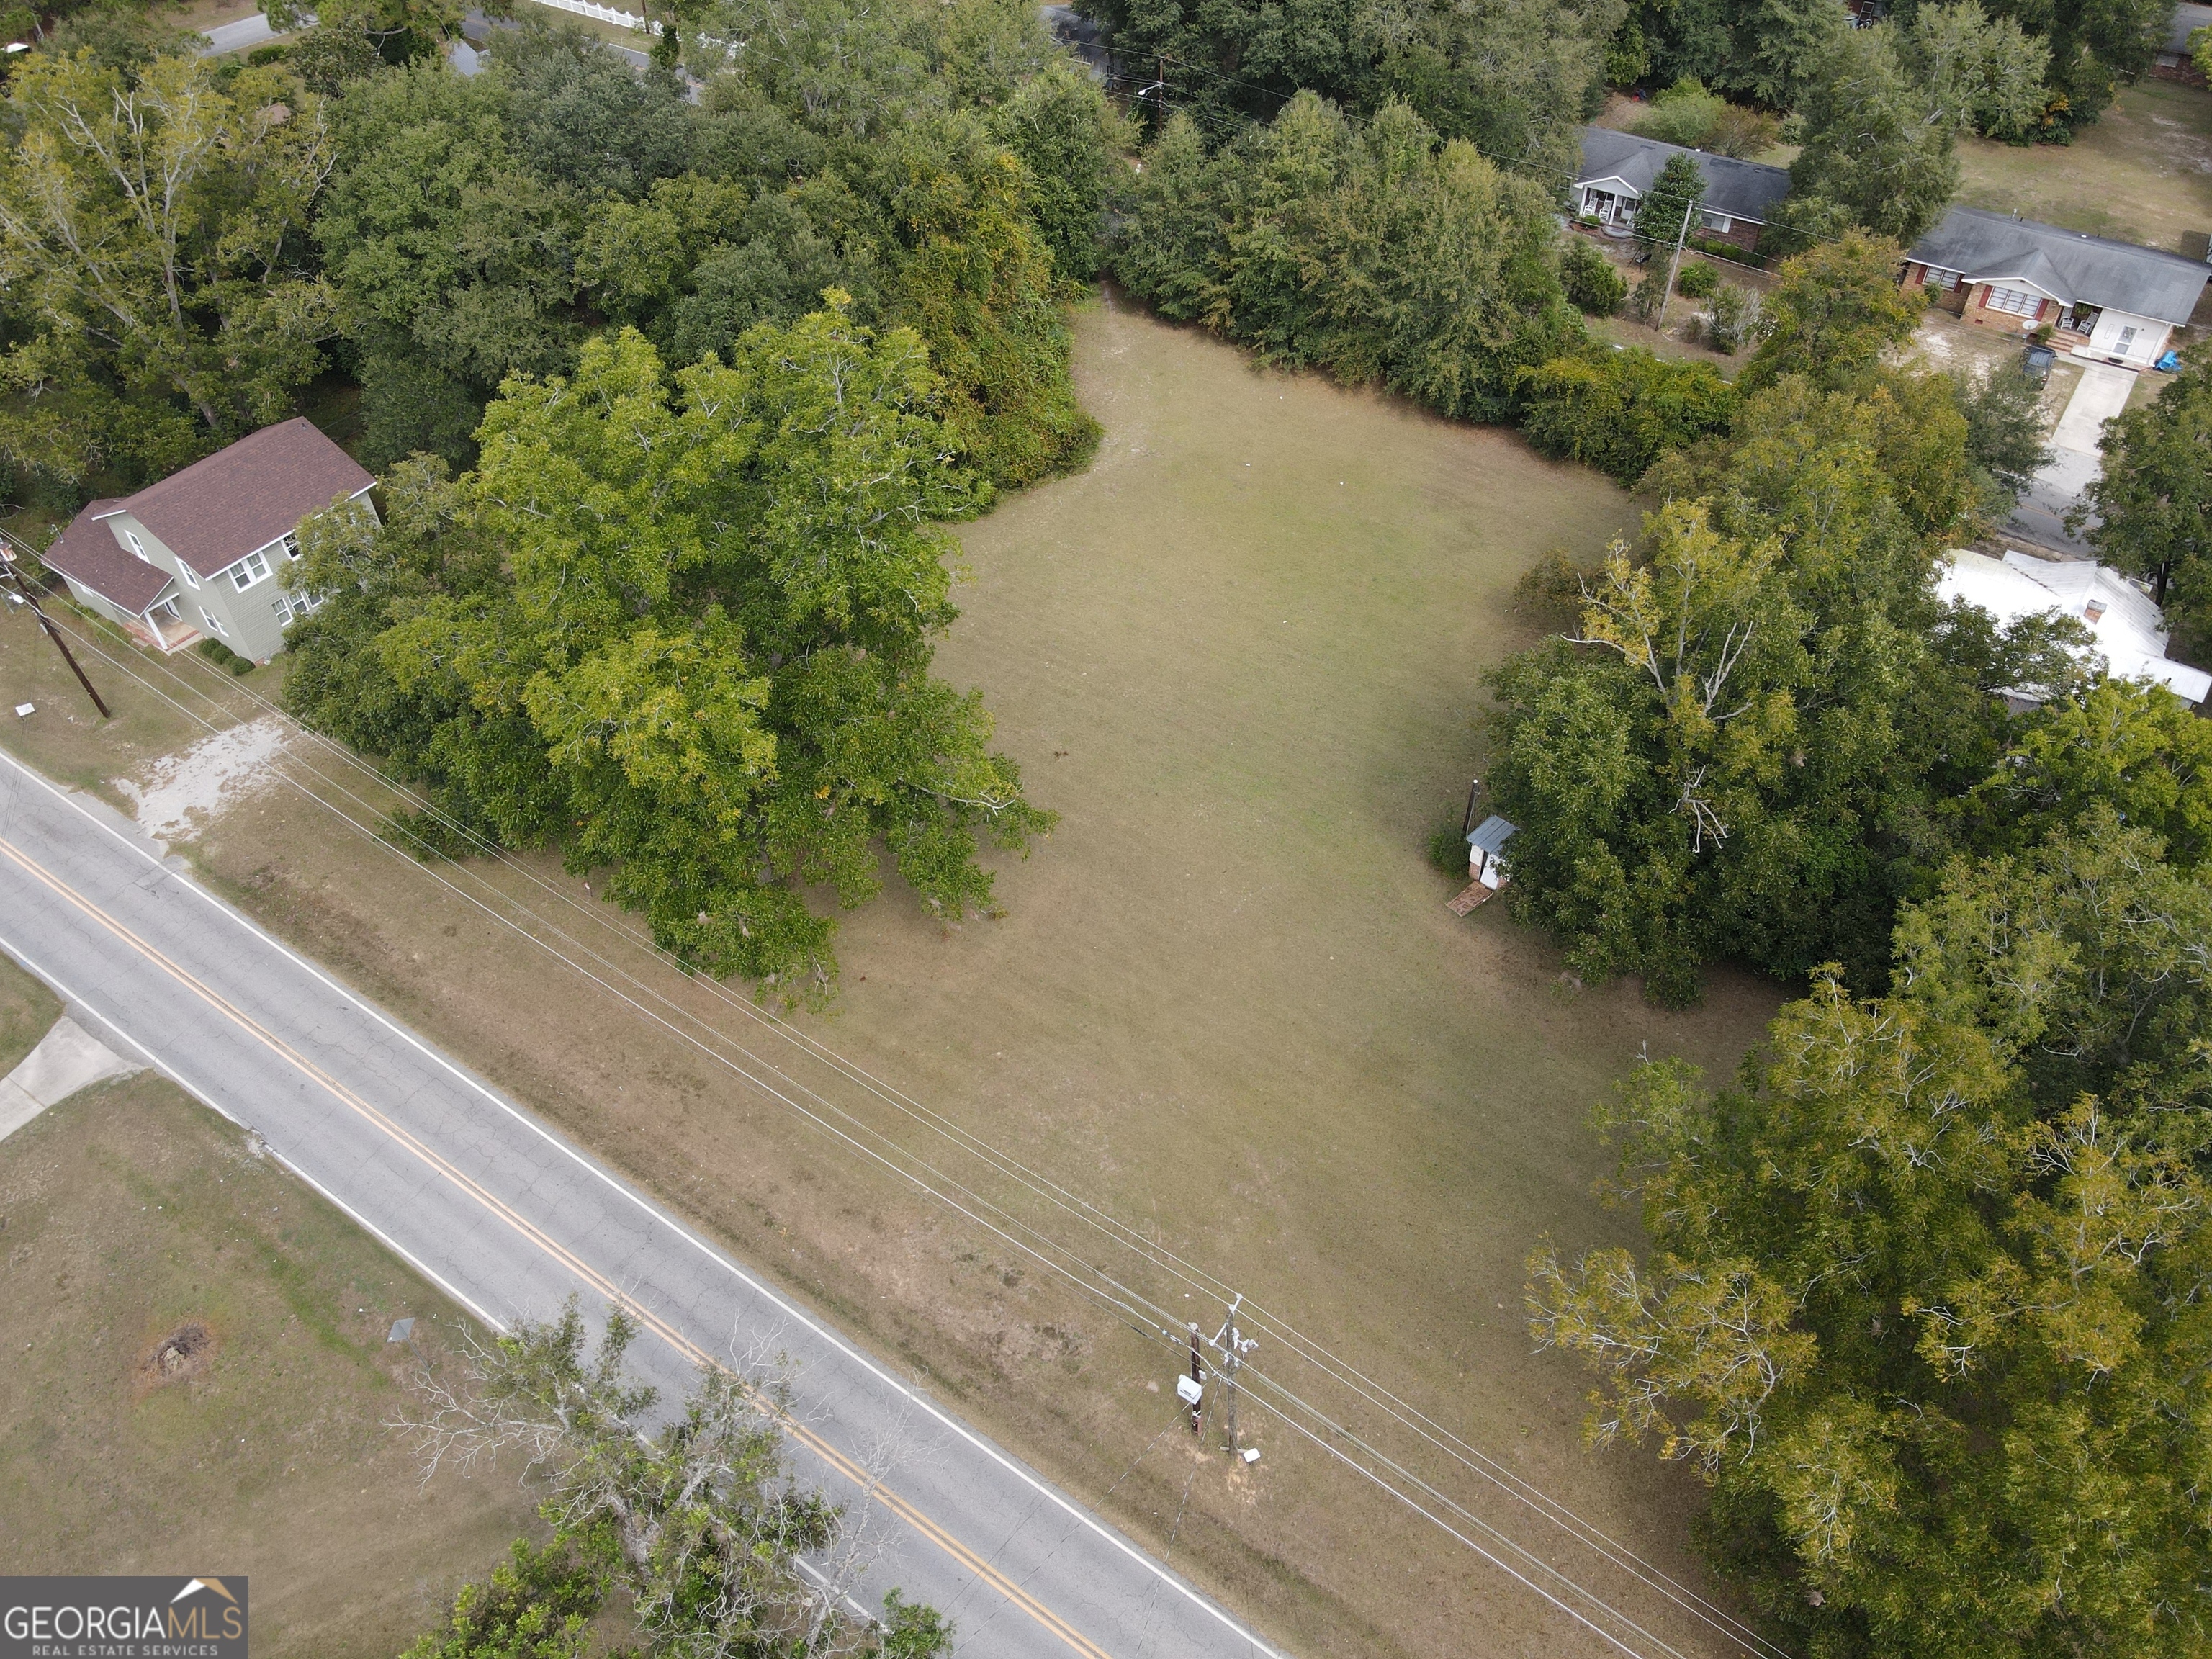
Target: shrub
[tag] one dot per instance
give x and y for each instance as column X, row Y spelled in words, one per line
column 1697, row 280
column 1591, row 282
column 1688, row 115
column 1447, row 848
column 1643, row 304
column 1742, row 133
column 1683, row 115
column 1714, row 248
column 223, row 657
column 1735, row 316
column 1618, row 411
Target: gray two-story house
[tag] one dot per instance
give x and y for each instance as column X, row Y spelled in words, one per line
column 195, row 556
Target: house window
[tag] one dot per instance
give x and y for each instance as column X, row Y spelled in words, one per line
column 213, row 622
column 282, row 607
column 291, row 544
column 2013, row 301
column 248, row 571
column 136, row 546
column 1712, row 221
column 185, row 571
column 1940, row 279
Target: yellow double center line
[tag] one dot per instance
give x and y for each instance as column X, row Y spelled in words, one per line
column 828, row 1454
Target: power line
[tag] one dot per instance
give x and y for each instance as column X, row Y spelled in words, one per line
column 1129, row 1307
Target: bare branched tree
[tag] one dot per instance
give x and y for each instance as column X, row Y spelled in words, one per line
column 692, row 1510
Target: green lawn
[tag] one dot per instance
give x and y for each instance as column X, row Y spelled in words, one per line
column 1241, row 655
column 2142, row 173
column 26, row 1009
column 132, row 1214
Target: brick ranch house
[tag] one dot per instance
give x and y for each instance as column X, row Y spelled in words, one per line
column 2108, row 301
column 1618, row 169
column 195, row 556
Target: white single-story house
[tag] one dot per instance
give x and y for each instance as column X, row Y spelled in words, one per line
column 1618, row 168
column 2111, row 301
column 195, row 556
column 2129, row 629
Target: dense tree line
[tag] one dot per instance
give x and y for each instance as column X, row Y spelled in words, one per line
column 1922, row 1297
column 1925, row 1297
column 2022, row 68
column 1510, row 77
column 476, row 228
column 1758, row 733
column 827, row 293
column 1371, row 250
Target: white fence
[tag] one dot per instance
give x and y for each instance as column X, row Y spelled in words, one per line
column 628, row 20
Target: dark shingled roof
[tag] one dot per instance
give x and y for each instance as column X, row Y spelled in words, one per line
column 218, row 510
column 1995, row 247
column 1742, row 190
column 88, row 552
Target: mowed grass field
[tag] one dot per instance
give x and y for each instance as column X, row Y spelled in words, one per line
column 129, row 1215
column 1242, row 656
column 2141, row 173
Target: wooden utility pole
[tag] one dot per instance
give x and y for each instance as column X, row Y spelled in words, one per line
column 1197, row 1376
column 1673, row 267
column 1234, row 1345
column 8, row 560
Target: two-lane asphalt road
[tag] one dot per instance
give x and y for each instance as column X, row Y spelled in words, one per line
column 509, row 1217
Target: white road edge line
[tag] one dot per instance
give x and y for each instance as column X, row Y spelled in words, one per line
column 1229, row 1620
column 208, row 1099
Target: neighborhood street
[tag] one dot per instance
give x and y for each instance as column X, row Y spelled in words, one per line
column 509, row 1218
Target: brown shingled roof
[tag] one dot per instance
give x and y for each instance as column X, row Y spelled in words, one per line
column 88, row 552
column 218, row 510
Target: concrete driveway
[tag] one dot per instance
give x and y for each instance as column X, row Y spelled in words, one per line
column 2101, row 394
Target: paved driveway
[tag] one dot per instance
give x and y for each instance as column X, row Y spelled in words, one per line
column 2101, row 394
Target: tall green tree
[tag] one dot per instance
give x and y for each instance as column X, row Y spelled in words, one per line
column 453, row 262
column 1514, row 78
column 1663, row 217
column 1877, row 153
column 1929, row 1329
column 1070, row 141
column 975, row 281
column 152, row 254
column 1833, row 312
column 1982, row 74
column 685, row 631
column 1728, row 757
column 1367, row 250
column 2149, row 510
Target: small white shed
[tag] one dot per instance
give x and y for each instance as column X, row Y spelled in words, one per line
column 1486, row 851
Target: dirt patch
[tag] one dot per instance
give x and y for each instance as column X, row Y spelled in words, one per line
column 186, row 1352
column 176, row 797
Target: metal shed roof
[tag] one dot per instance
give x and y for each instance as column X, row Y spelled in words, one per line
column 1493, row 833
